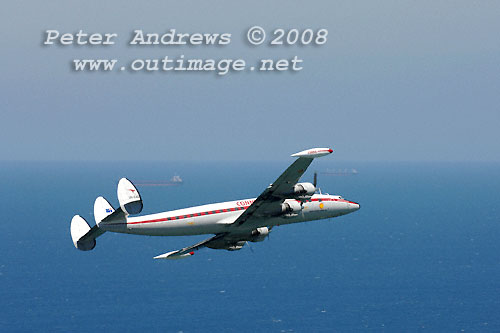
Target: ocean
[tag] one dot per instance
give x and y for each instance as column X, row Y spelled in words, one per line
column 422, row 253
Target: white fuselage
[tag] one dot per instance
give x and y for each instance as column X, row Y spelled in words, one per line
column 215, row 218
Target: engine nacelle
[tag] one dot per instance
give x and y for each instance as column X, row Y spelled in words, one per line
column 304, row 189
column 221, row 244
column 291, row 206
column 235, row 246
column 259, row 234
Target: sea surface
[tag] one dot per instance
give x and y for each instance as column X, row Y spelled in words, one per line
column 422, row 253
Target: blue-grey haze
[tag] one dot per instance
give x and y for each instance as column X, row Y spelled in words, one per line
column 397, row 80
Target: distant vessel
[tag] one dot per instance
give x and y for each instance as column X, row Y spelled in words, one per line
column 341, row 172
column 174, row 181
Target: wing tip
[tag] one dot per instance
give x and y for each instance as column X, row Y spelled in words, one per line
column 173, row 255
column 313, row 152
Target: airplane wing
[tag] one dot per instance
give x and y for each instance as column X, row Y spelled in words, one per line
column 189, row 251
column 273, row 195
column 282, row 187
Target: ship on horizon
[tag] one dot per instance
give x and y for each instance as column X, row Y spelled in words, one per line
column 174, row 181
column 341, row 172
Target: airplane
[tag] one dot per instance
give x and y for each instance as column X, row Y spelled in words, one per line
column 233, row 223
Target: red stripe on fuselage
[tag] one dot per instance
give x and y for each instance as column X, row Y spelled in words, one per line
column 181, row 217
column 339, row 200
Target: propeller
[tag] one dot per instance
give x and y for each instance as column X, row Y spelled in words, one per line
column 249, row 246
column 315, row 181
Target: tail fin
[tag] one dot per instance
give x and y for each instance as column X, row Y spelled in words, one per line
column 83, row 236
column 102, row 209
column 129, row 197
column 130, row 203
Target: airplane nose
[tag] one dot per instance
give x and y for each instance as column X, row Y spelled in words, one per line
column 354, row 206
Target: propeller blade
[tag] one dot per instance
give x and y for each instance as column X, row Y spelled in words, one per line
column 315, row 179
column 250, row 247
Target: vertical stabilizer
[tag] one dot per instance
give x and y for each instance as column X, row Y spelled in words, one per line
column 102, row 209
column 82, row 235
column 129, row 197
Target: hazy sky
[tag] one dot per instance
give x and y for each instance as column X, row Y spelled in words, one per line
column 397, row 80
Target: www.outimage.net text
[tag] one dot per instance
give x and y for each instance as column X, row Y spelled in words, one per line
column 179, row 63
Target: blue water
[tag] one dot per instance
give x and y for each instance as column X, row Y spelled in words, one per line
column 423, row 252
